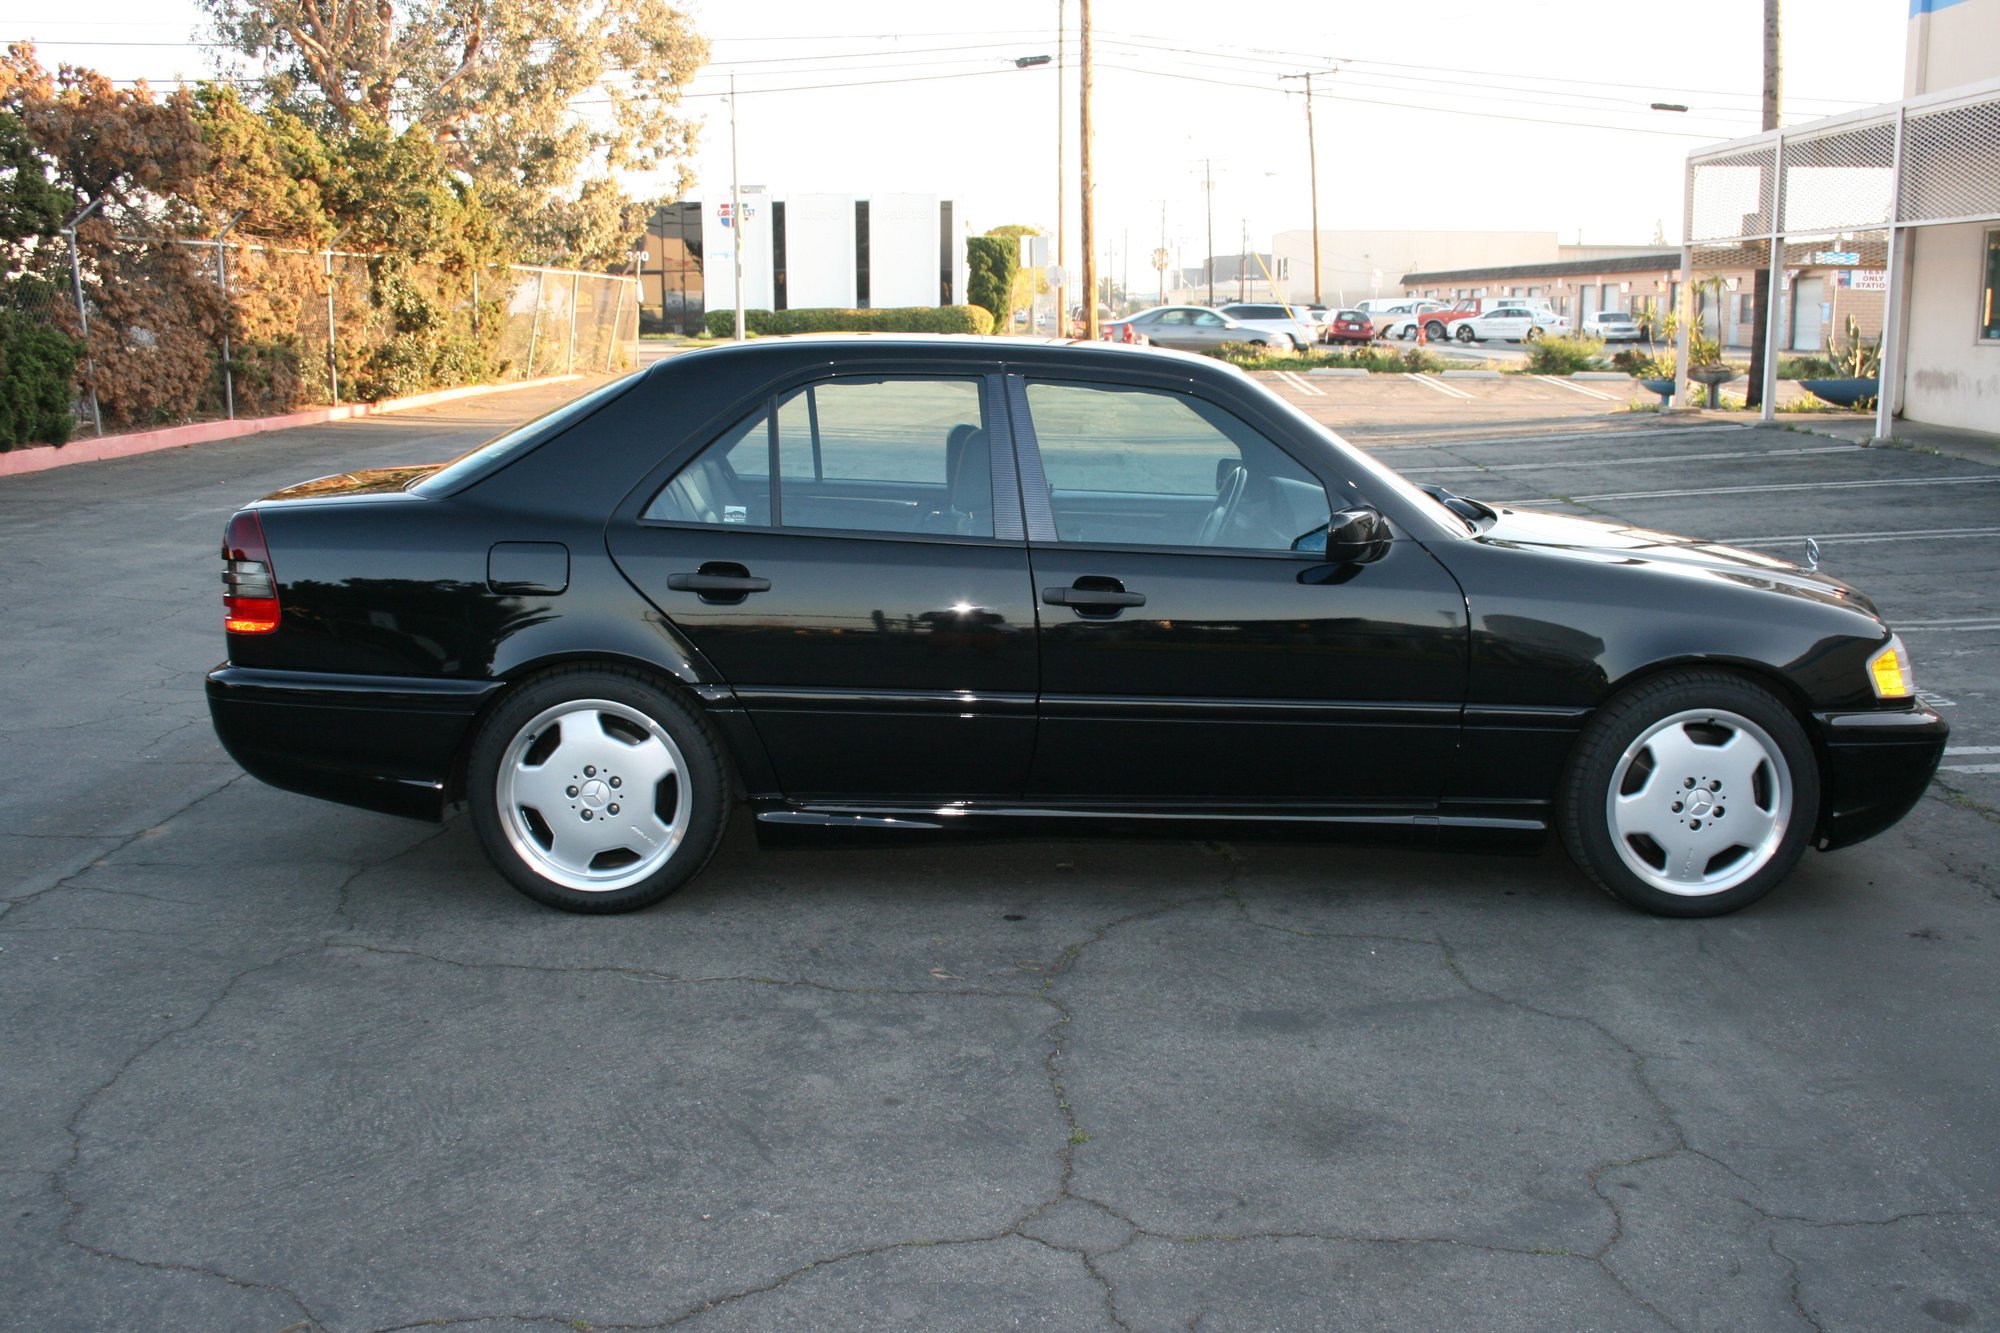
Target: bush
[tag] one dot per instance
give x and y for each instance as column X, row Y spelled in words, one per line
column 991, row 262
column 1377, row 360
column 36, row 393
column 1806, row 368
column 895, row 319
column 1647, row 365
column 1565, row 355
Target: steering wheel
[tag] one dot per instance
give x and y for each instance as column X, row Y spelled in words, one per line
column 1227, row 497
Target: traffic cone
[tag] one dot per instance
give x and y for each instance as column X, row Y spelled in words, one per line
column 1422, row 340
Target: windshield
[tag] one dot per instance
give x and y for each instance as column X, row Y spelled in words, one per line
column 496, row 453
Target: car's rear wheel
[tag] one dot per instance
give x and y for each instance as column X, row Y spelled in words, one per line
column 1408, row 333
column 594, row 790
column 1692, row 794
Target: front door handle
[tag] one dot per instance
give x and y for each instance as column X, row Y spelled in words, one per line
column 1080, row 595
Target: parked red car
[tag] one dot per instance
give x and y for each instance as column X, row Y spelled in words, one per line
column 1348, row 326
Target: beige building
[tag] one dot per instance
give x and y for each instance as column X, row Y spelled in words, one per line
column 1359, row 264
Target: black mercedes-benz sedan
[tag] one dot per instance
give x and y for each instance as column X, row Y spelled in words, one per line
column 901, row 583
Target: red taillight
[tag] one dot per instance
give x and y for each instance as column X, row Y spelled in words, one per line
column 250, row 588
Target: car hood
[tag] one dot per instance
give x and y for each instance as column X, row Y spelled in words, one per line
column 1611, row 543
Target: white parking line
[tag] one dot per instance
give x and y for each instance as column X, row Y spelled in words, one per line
column 1969, row 768
column 1598, row 394
column 1986, row 628
column 1302, row 386
column 1972, row 749
column 1960, row 625
column 1867, row 538
column 1447, row 390
column 1790, row 486
column 1445, row 440
column 1651, row 460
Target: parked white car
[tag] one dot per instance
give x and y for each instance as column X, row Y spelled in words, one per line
column 1272, row 318
column 1613, row 326
column 1513, row 322
column 1401, row 319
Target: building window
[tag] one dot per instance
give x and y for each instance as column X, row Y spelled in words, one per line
column 1989, row 298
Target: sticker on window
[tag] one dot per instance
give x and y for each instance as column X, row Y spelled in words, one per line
column 735, row 514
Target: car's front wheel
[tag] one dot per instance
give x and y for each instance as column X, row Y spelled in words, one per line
column 594, row 790
column 1692, row 794
column 1465, row 334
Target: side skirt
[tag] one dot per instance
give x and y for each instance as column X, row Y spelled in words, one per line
column 1521, row 830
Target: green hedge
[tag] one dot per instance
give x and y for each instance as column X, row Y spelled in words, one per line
column 37, row 364
column 898, row 319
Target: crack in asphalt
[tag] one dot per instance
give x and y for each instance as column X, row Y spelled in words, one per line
column 63, row 877
column 1055, row 1058
column 59, row 1177
column 1794, row 1286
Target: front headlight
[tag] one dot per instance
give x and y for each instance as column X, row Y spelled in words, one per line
column 1889, row 673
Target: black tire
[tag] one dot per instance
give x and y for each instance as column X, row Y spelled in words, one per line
column 1532, row 334
column 1627, row 771
column 639, row 725
column 1435, row 331
column 1465, row 334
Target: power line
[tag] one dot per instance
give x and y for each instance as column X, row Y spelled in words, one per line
column 1426, row 106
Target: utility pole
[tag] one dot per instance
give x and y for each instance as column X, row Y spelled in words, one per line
column 1762, row 284
column 1062, row 129
column 1088, row 201
column 1313, row 175
column 1243, row 262
column 1160, row 258
column 1312, row 172
column 735, row 208
column 1208, row 189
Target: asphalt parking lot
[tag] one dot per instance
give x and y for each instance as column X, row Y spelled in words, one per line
column 274, row 1064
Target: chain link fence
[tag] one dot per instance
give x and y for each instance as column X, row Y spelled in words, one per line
column 176, row 330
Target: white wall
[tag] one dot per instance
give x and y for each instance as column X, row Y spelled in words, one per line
column 819, row 251
column 719, row 252
column 902, row 250
column 1953, row 379
column 1951, row 42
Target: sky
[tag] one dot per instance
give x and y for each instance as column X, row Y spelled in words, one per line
column 1483, row 114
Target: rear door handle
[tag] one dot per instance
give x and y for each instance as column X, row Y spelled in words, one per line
column 1092, row 597
column 727, row 584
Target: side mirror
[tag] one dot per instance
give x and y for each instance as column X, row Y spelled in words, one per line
column 1350, row 537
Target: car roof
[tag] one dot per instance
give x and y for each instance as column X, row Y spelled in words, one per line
column 942, row 347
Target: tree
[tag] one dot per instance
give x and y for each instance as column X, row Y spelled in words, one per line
column 1029, row 283
column 991, row 262
column 498, row 85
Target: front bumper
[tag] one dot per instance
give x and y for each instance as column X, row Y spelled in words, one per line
column 1877, row 766
column 380, row 742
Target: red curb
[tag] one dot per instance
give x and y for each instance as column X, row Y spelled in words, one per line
column 42, row 457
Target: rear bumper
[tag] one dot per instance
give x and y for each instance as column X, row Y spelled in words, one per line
column 380, row 742
column 1877, row 767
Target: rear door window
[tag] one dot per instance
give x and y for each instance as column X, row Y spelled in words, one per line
column 890, row 454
